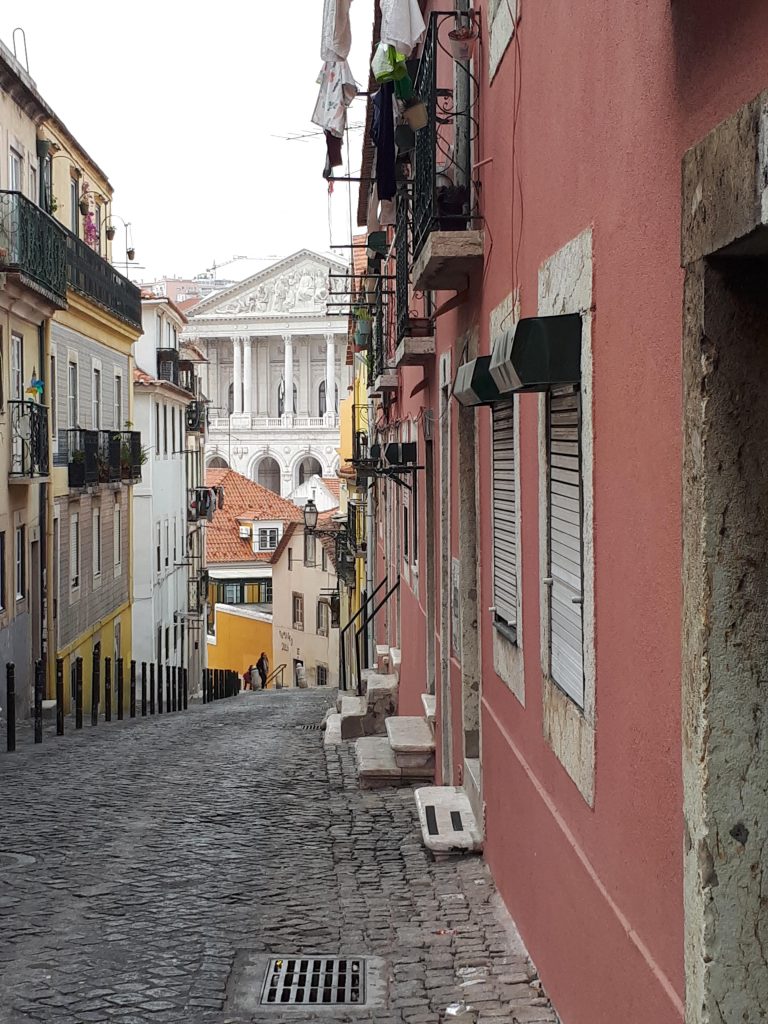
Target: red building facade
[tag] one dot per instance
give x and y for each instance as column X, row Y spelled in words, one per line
column 559, row 547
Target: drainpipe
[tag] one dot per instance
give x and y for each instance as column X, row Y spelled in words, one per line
column 370, row 553
column 462, row 97
column 45, row 514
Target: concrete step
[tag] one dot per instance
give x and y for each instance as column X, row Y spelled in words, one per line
column 377, row 766
column 382, row 657
column 448, row 825
column 332, row 735
column 353, row 712
column 412, row 741
column 394, row 659
column 429, row 703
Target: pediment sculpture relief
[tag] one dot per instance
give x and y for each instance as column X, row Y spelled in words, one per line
column 301, row 290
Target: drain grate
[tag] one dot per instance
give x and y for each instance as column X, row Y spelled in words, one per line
column 312, row 727
column 314, row 980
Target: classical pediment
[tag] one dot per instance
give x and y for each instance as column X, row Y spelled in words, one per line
column 296, row 286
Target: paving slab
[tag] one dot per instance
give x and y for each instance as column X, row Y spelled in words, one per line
column 409, row 734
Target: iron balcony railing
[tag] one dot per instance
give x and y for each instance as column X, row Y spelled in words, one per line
column 402, row 265
column 82, row 456
column 346, row 568
column 131, row 455
column 440, row 200
column 29, row 439
column 356, row 531
column 109, row 456
column 377, row 348
column 187, row 378
column 33, row 245
column 168, row 364
column 92, row 276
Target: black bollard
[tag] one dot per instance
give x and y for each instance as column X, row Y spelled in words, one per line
column 38, row 702
column 59, row 697
column 143, row 689
column 132, row 699
column 174, row 689
column 185, row 683
column 95, row 687
column 78, row 693
column 159, row 689
column 107, row 689
column 120, row 688
column 10, row 702
column 152, row 688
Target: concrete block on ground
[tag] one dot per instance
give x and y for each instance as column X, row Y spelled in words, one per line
column 429, row 702
column 332, row 730
column 353, row 710
column 376, row 764
column 448, row 825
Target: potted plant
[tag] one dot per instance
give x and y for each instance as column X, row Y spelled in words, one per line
column 85, row 204
column 462, row 42
column 77, row 469
column 110, row 232
column 131, row 253
column 452, row 201
column 415, row 114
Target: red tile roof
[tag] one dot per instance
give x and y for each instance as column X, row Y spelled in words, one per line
column 243, row 500
column 143, row 379
column 333, row 484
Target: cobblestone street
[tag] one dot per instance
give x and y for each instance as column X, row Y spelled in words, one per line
column 144, row 865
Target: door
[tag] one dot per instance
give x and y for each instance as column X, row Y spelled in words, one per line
column 18, row 421
column 35, row 594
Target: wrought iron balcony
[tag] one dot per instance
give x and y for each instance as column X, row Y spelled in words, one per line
column 132, row 455
column 109, row 456
column 346, row 568
column 92, row 276
column 168, row 364
column 82, row 456
column 356, row 527
column 33, row 245
column 445, row 251
column 29, row 440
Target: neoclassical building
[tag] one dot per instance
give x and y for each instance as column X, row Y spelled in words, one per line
column 266, row 338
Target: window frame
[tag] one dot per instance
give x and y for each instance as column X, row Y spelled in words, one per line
column 323, row 618
column 96, row 547
column 297, row 610
column 117, row 537
column 117, row 404
column 17, row 366
column 20, row 563
column 74, row 536
column 96, row 395
column 503, row 421
column 319, row 667
column 269, row 530
column 15, row 180
column 310, row 550
column 3, row 606
column 73, row 398
column 52, row 366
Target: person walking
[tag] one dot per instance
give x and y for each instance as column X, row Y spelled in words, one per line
column 262, row 667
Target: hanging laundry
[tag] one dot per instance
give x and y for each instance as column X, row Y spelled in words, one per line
column 383, row 138
column 337, row 90
column 336, row 40
column 402, row 25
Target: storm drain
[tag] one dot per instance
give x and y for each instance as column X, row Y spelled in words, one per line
column 305, row 981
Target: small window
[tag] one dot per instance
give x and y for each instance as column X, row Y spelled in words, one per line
column 2, row 571
column 96, row 515
column 72, row 404
column 504, row 514
column 157, row 428
column 167, row 642
column 309, row 549
column 298, row 611
column 267, row 539
column 322, row 675
column 290, row 559
column 165, row 429
column 96, row 398
column 231, row 593
column 17, row 367
column 117, row 529
column 74, row 550
column 20, row 564
column 15, row 165
column 167, row 542
column 323, row 618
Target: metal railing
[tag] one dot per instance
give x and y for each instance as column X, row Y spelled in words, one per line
column 109, row 456
column 402, row 266
column 33, row 244
column 346, row 568
column 343, row 635
column 356, row 527
column 277, row 676
column 29, row 439
column 360, row 631
column 444, row 206
column 168, row 364
column 131, row 455
column 82, row 456
column 92, row 276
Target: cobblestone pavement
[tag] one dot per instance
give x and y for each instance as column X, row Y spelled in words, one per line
column 145, row 865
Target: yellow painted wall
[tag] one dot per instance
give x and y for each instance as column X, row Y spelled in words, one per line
column 83, row 647
column 240, row 640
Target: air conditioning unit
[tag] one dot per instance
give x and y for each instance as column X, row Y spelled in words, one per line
column 245, row 532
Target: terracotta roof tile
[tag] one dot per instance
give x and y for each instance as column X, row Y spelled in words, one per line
column 243, row 500
column 333, row 484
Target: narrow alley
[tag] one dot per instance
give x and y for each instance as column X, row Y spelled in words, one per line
column 150, row 870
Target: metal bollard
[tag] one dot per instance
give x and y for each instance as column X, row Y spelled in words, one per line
column 132, row 696
column 185, row 684
column 95, row 687
column 59, row 697
column 175, row 688
column 152, row 688
column 159, row 689
column 120, row 688
column 78, row 693
column 10, row 701
column 143, row 689
column 107, row 689
column 38, row 702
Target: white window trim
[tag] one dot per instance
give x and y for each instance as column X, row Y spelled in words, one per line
column 117, row 383
column 97, row 546
column 19, row 532
column 72, row 357
column 565, row 286
column 75, row 578
column 117, row 537
column 17, row 336
column 53, row 400
column 96, row 366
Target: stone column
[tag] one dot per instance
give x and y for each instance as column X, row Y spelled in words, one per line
column 288, row 375
column 237, row 380
column 330, row 378
column 248, row 375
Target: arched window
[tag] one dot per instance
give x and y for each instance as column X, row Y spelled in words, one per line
column 217, row 463
column 281, row 398
column 308, row 467
column 268, row 474
column 321, row 404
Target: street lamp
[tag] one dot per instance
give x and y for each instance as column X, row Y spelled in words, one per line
column 310, row 516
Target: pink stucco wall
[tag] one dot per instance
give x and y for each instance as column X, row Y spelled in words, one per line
column 612, row 96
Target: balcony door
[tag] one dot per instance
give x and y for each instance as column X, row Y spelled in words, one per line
column 18, row 420
column 15, row 165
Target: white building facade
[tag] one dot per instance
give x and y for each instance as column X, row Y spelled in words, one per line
column 275, row 371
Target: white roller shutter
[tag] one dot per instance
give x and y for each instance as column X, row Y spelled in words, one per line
column 504, row 514
column 565, row 542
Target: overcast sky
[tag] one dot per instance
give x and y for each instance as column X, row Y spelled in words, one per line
column 183, row 105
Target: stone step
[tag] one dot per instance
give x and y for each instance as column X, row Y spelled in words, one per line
column 332, row 735
column 382, row 657
column 448, row 825
column 429, row 703
column 377, row 766
column 409, row 734
column 394, row 659
column 353, row 712
column 382, row 690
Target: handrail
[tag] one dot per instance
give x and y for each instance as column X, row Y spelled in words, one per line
column 351, row 622
column 368, row 620
column 280, row 669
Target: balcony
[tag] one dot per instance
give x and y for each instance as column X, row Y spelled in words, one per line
column 109, row 456
column 346, row 566
column 357, row 538
column 446, row 251
column 415, row 335
column 82, row 457
column 33, row 245
column 381, row 377
column 96, row 279
column 168, row 365
column 132, row 456
column 29, row 441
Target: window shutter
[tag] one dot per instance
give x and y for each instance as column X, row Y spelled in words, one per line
column 565, row 543
column 504, row 513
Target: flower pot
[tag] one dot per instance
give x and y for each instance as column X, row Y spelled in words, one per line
column 415, row 116
column 131, row 254
column 84, row 206
column 364, row 328
column 111, row 233
column 462, row 43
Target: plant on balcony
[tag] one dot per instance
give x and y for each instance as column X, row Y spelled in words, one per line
column 415, row 114
column 452, row 201
column 90, row 231
column 111, row 231
column 462, row 42
column 85, row 203
column 76, row 469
